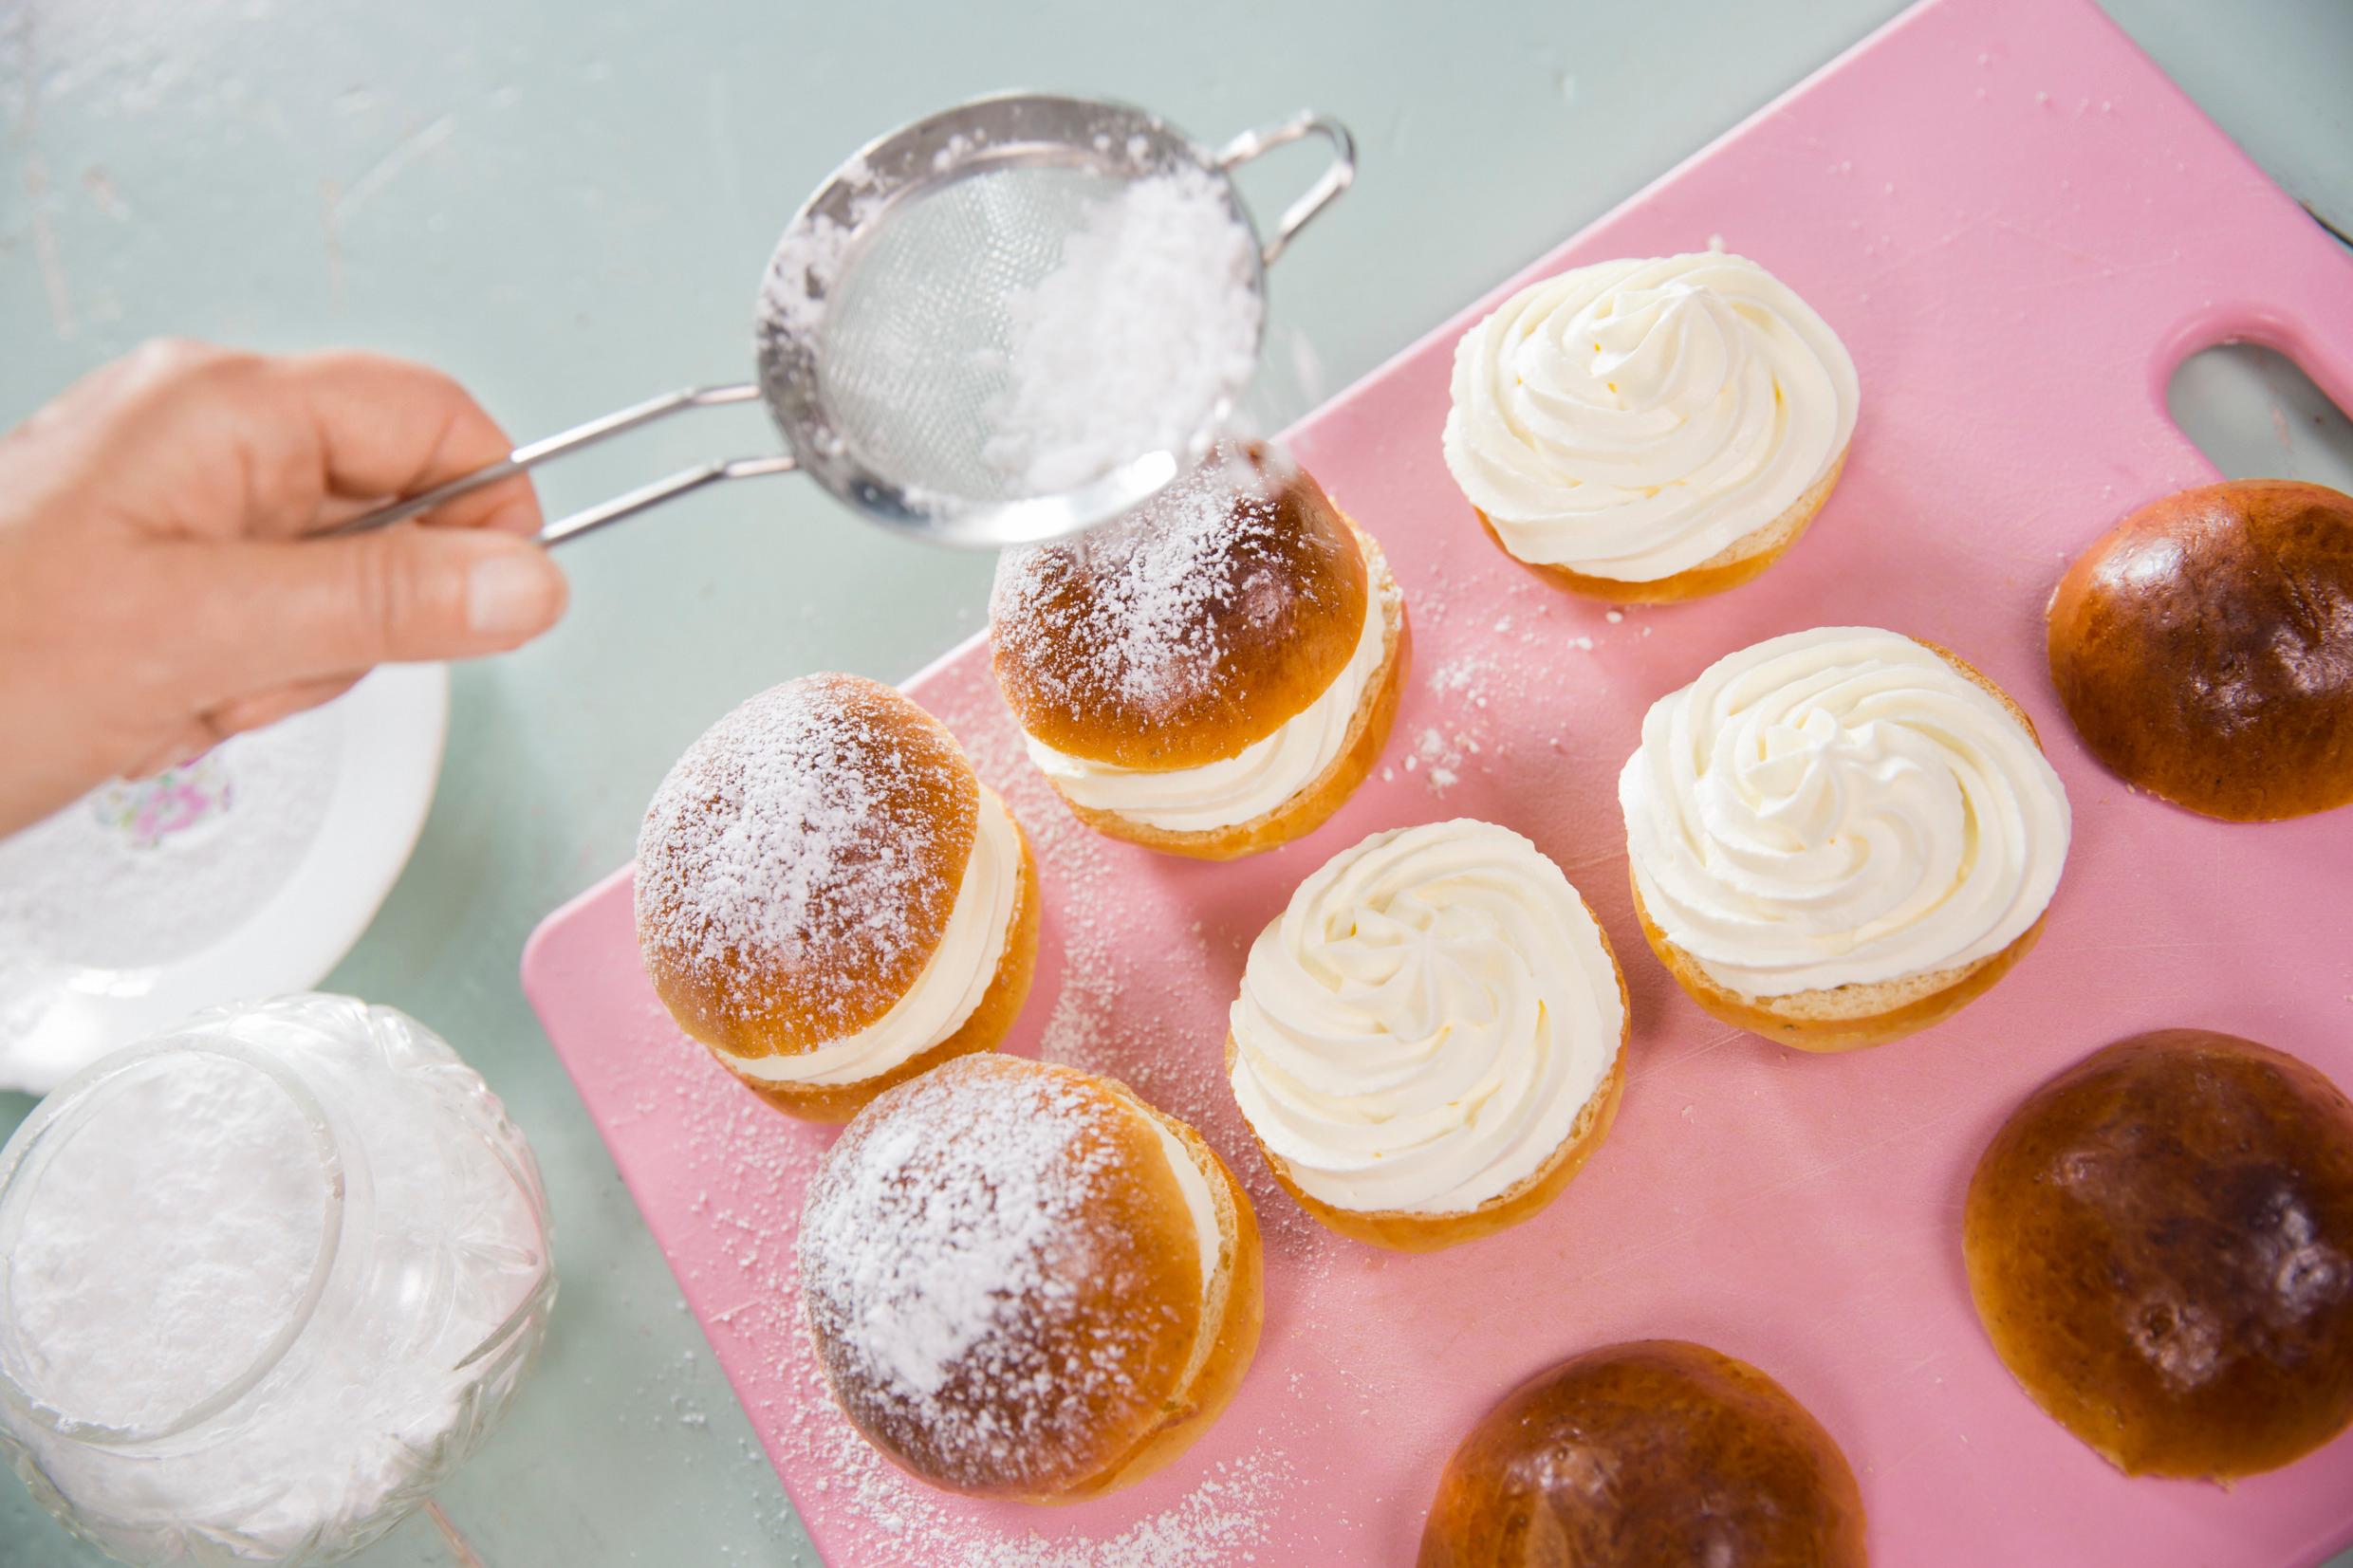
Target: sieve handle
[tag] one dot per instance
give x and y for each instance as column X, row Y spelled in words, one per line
column 633, row 502
column 530, row 455
column 1337, row 176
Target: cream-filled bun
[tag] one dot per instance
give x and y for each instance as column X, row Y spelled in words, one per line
column 1212, row 674
column 1650, row 430
column 1841, row 836
column 1429, row 1042
column 1025, row 1282
column 830, row 899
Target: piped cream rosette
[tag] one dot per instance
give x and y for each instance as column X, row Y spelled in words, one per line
column 1428, row 1042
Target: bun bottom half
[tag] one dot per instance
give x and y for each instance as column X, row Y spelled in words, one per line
column 1848, row 1018
column 1737, row 563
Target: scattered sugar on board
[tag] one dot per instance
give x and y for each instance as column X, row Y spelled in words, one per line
column 1111, row 1017
column 1145, row 326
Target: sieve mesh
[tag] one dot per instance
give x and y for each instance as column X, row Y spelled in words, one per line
column 900, row 348
column 913, row 348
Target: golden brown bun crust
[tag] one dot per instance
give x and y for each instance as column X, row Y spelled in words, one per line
column 2204, row 649
column 1699, row 1459
column 1735, row 563
column 1400, row 1230
column 1368, row 731
column 2161, row 1246
column 1848, row 1018
column 855, row 799
column 983, row 1029
column 1274, row 596
column 1242, row 1314
column 1039, row 1197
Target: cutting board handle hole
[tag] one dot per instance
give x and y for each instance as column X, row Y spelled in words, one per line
column 2256, row 415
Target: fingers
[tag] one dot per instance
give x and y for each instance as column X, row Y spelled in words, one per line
column 264, row 709
column 189, row 440
column 240, row 716
column 189, row 742
column 282, row 613
column 386, row 428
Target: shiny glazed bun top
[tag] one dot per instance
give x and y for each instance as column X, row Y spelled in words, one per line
column 2204, row 649
column 2161, row 1246
column 796, row 868
column 1001, row 1274
column 1657, row 1453
column 1189, row 629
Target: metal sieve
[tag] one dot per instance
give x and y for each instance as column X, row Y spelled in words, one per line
column 884, row 321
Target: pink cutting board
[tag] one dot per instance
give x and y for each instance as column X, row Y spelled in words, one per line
column 2019, row 227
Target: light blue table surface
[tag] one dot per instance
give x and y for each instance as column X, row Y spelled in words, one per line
column 569, row 202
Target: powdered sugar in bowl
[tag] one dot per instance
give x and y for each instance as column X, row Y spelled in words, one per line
column 264, row 1283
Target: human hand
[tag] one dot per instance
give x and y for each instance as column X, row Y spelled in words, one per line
column 159, row 594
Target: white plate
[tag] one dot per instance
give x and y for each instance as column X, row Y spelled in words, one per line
column 380, row 748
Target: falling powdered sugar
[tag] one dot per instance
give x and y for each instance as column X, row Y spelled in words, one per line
column 1129, row 615
column 1137, row 340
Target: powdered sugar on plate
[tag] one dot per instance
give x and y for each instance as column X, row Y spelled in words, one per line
column 142, row 873
column 1139, row 340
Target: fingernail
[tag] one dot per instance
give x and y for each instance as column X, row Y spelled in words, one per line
column 510, row 595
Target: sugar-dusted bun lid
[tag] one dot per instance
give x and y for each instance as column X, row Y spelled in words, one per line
column 2159, row 1241
column 1003, row 1277
column 1189, row 629
column 2204, row 649
column 796, row 868
column 1656, row 1451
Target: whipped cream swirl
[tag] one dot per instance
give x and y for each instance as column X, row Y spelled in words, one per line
column 1632, row 420
column 951, row 985
column 1420, row 1030
column 1836, row 808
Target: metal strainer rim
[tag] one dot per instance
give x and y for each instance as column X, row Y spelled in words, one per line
column 900, row 168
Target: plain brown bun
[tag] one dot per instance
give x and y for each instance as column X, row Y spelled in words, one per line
column 1024, row 1215
column 1654, row 1454
column 1185, row 632
column 2160, row 1242
column 2204, row 649
column 1847, row 1018
column 1735, row 563
column 795, row 874
column 1315, row 802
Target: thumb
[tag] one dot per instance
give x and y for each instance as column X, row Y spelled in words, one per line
column 292, row 610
